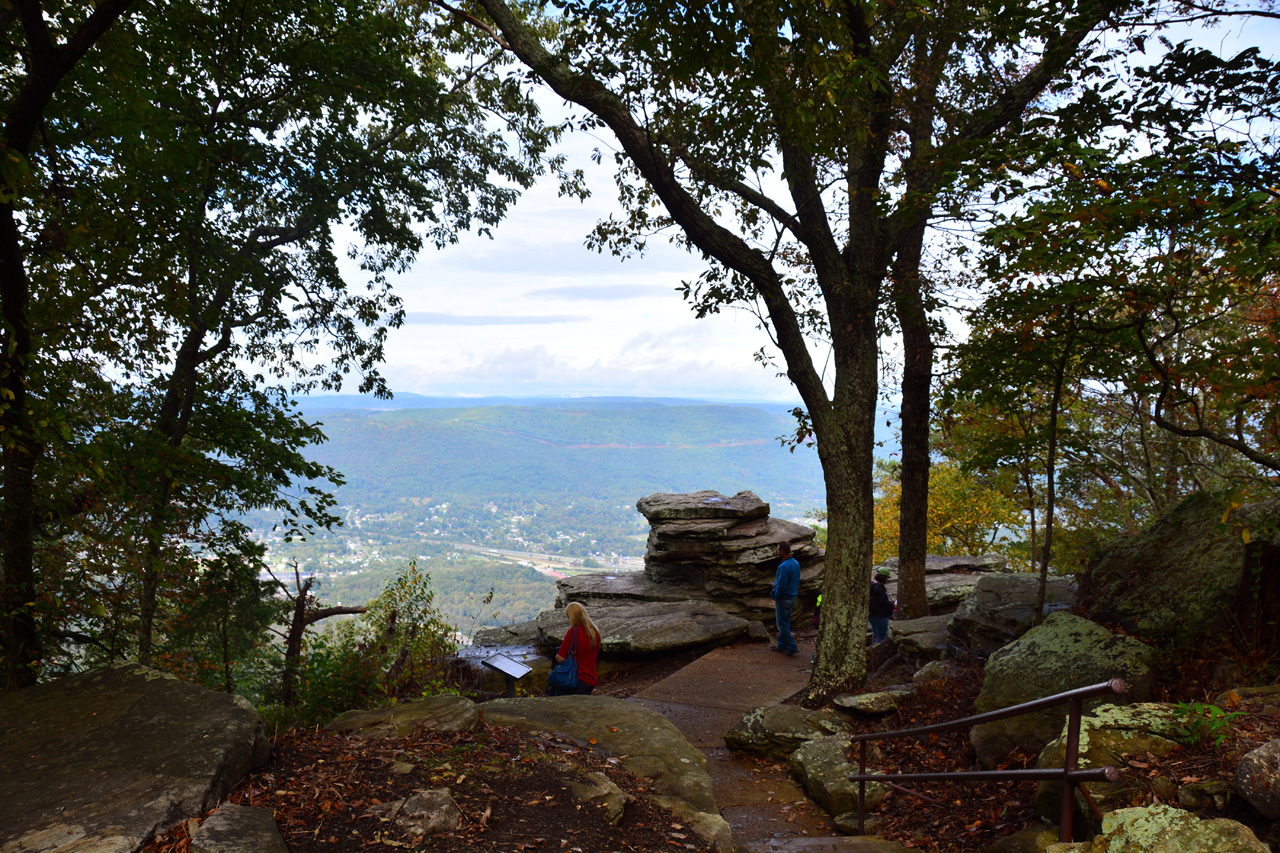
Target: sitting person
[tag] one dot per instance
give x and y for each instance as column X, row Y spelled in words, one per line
column 583, row 639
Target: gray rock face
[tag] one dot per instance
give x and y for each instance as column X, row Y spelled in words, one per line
column 435, row 713
column 649, row 627
column 106, row 759
column 1258, row 779
column 238, row 829
column 1179, row 575
column 1167, row 830
column 779, row 730
column 1001, row 609
column 823, row 770
column 1063, row 653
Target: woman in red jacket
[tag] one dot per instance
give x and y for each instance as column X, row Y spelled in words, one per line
column 584, row 633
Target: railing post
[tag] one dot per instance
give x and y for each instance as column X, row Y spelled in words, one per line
column 862, row 785
column 1067, row 808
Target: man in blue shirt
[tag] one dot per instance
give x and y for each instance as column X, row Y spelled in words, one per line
column 786, row 586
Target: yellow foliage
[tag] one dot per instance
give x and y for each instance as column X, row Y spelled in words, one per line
column 966, row 516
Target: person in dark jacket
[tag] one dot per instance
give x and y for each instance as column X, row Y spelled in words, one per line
column 881, row 607
column 786, row 586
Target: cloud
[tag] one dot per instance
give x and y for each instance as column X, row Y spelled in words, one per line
column 429, row 318
column 601, row 292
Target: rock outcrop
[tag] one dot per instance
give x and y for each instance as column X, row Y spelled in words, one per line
column 238, row 829
column 1180, row 576
column 1002, row 608
column 706, row 546
column 106, row 759
column 1063, row 653
column 821, row 768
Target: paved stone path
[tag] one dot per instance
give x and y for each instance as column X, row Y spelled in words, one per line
column 764, row 807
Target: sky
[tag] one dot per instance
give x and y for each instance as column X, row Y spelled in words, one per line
column 533, row 312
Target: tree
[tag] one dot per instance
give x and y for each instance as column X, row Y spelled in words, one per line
column 180, row 228
column 804, row 149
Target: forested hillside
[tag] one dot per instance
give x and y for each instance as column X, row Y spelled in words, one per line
column 548, row 477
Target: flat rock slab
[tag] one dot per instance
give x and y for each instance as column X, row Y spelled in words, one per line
column 644, row 628
column 632, row 586
column 704, row 504
column 102, row 761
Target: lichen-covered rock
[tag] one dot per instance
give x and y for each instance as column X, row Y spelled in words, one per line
column 701, row 506
column 645, row 628
column 1258, row 779
column 102, row 760
column 1180, row 575
column 1107, row 736
column 1164, row 829
column 779, row 730
column 879, row 702
column 1003, row 608
column 238, row 829
column 1063, row 653
column 822, row 769
column 434, row 713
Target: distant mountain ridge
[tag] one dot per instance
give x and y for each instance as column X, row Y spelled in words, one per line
column 614, row 451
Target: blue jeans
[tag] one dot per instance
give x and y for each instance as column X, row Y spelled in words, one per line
column 879, row 629
column 782, row 611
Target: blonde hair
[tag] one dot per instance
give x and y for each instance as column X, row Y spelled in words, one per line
column 578, row 618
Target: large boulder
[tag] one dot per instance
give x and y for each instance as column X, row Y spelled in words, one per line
column 1258, row 779
column 1107, row 736
column 1003, row 608
column 650, row 628
column 104, row 760
column 776, row 731
column 1063, row 653
column 1164, row 829
column 1180, row 576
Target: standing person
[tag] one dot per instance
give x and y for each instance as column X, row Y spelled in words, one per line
column 583, row 639
column 786, row 586
column 881, row 607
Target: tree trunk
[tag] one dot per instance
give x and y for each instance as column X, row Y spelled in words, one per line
column 913, row 518
column 1059, row 376
column 17, row 611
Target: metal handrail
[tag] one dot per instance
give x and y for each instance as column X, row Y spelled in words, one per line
column 1070, row 774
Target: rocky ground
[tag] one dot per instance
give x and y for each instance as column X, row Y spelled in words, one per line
column 511, row 785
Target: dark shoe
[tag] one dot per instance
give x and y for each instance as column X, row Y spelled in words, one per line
column 792, row 652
